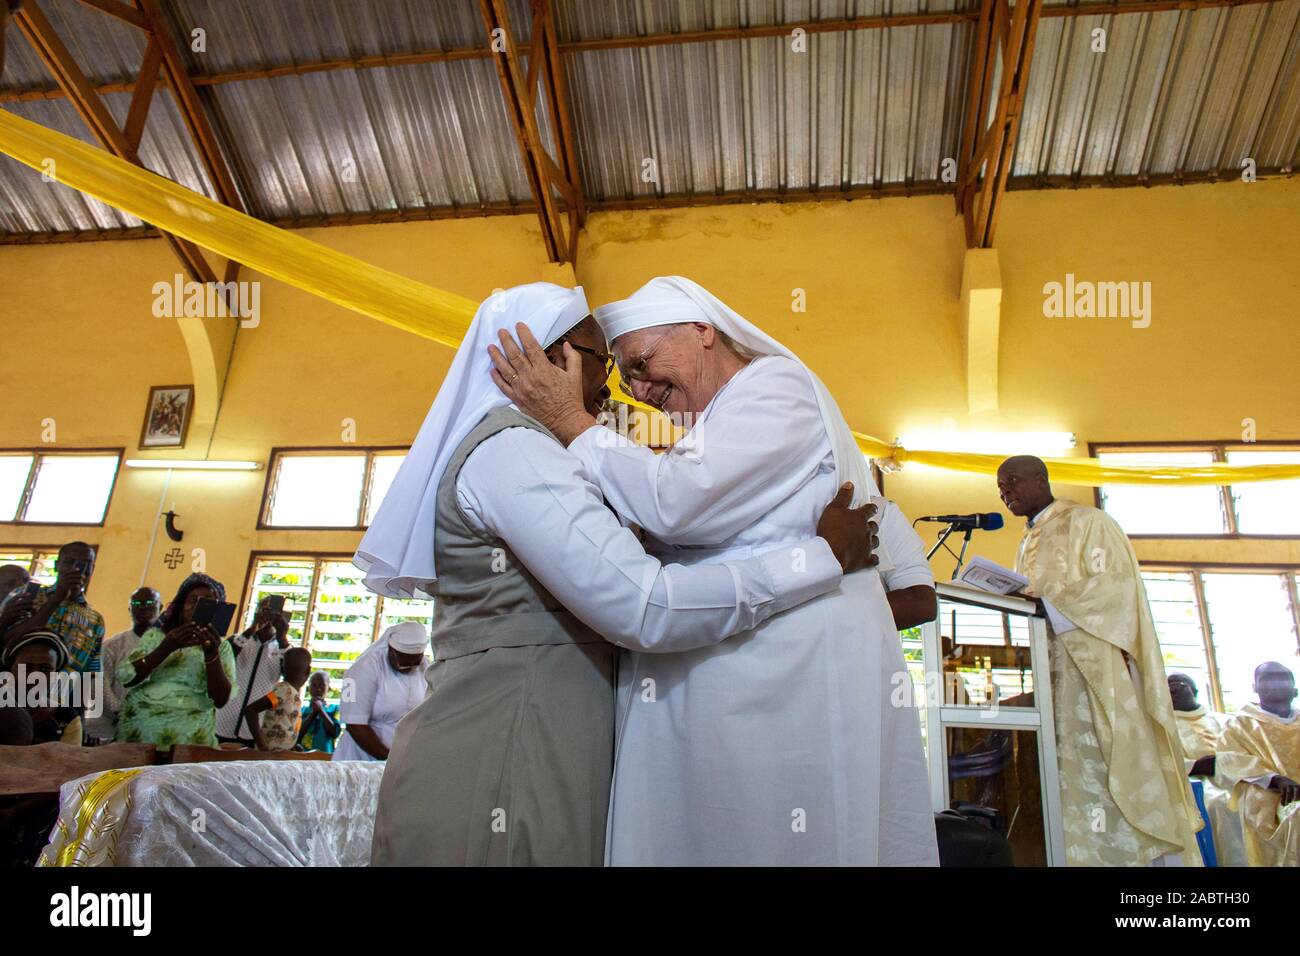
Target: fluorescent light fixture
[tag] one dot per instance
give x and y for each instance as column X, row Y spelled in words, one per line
column 989, row 443
column 193, row 464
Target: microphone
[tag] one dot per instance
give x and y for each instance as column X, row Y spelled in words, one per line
column 990, row 521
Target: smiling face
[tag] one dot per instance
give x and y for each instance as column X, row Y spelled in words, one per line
column 675, row 368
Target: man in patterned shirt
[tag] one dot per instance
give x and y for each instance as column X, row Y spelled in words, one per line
column 61, row 608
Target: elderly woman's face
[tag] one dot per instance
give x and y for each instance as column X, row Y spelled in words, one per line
column 665, row 366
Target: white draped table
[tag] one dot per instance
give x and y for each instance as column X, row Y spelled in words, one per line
column 225, row 813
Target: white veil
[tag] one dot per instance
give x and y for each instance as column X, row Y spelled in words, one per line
column 669, row 300
column 396, row 554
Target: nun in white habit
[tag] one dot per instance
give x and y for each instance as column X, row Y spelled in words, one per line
column 794, row 742
column 382, row 686
column 508, row 759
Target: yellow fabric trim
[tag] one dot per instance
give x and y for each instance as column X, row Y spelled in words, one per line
column 86, row 826
column 431, row 313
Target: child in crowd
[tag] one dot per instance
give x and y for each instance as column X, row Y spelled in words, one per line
column 274, row 719
column 320, row 721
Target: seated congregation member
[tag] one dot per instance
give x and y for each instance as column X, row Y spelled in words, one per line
column 382, row 686
column 320, row 721
column 780, row 746
column 1259, row 757
column 61, row 608
column 1199, row 731
column 145, row 606
column 508, row 760
column 51, row 719
column 259, row 651
column 1125, row 797
column 275, row 719
column 178, row 675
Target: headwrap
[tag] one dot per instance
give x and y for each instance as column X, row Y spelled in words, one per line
column 397, row 553
column 409, row 637
column 171, row 617
column 37, row 637
column 672, row 300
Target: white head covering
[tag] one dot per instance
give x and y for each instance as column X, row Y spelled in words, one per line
column 408, row 637
column 396, row 554
column 671, row 300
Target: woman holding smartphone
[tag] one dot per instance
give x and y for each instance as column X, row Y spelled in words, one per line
column 178, row 675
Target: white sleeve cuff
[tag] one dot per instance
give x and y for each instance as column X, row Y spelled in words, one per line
column 801, row 572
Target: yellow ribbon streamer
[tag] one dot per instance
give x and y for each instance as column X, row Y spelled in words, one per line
column 431, row 313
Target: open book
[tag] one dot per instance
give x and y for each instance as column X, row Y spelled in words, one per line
column 990, row 576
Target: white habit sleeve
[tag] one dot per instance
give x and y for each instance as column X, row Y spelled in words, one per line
column 524, row 488
column 905, row 549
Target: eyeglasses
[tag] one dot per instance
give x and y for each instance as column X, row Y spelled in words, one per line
column 603, row 357
column 635, row 370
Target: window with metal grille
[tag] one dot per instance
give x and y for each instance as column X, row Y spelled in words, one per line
column 1218, row 624
column 1247, row 509
column 331, row 612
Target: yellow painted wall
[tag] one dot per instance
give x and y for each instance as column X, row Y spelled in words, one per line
column 882, row 327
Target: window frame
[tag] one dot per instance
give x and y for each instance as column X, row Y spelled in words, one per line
column 39, row 453
column 280, row 452
column 316, row 556
column 1195, row 569
column 37, row 549
column 1227, row 503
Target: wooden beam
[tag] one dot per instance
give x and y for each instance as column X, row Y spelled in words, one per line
column 143, row 95
column 4, row 23
column 123, row 12
column 191, row 107
column 976, row 102
column 1010, row 35
column 637, row 41
column 519, row 88
column 54, row 54
column 640, row 203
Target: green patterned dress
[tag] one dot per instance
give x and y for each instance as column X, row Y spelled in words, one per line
column 171, row 706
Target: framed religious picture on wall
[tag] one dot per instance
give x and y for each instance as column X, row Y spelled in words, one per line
column 167, row 416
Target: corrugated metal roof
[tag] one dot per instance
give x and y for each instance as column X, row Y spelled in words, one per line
column 1175, row 92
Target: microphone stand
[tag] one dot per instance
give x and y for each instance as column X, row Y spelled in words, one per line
column 961, row 558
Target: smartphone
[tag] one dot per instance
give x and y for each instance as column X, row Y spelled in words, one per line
column 215, row 614
column 275, row 604
column 33, row 588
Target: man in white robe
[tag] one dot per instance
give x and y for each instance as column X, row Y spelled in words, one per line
column 779, row 746
column 1199, row 731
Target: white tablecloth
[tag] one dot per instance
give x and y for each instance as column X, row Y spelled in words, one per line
column 227, row 813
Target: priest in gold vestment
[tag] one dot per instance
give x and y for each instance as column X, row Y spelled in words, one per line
column 1125, row 797
column 1199, row 731
column 1259, row 754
